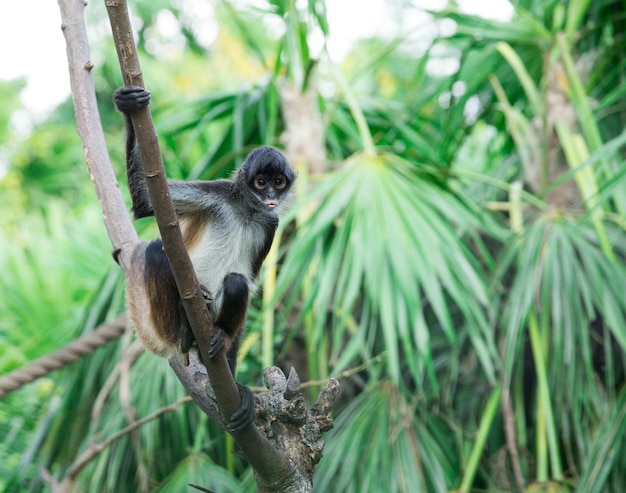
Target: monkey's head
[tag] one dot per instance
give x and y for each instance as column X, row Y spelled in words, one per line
column 267, row 177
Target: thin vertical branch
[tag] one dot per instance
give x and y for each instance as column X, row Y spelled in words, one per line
column 89, row 126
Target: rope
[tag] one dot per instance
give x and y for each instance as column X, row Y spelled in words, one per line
column 87, row 344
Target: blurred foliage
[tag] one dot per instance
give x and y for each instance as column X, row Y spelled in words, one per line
column 9, row 91
column 465, row 250
column 48, row 277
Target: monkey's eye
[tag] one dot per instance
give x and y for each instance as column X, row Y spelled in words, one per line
column 260, row 183
column 280, row 182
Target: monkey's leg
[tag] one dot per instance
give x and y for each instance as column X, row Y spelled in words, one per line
column 227, row 334
column 153, row 299
column 231, row 354
column 231, row 318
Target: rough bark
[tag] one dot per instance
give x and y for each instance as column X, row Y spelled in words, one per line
column 281, row 415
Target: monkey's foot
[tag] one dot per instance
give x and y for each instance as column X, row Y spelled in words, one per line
column 245, row 414
column 218, row 343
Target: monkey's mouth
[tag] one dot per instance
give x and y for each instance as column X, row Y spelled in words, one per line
column 271, row 204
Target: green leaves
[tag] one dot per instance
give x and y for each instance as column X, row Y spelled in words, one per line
column 603, row 454
column 560, row 271
column 386, row 244
column 565, row 295
column 384, row 446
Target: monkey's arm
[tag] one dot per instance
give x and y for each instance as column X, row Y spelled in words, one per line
column 189, row 197
column 128, row 99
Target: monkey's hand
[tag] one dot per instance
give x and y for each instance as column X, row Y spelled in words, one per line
column 245, row 414
column 129, row 98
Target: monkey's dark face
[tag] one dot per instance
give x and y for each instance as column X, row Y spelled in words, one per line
column 270, row 188
column 268, row 176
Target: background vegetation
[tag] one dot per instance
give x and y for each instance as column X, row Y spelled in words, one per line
column 458, row 259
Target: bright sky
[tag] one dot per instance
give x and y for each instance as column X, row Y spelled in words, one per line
column 33, row 44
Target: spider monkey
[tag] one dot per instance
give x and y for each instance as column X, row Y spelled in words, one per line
column 228, row 227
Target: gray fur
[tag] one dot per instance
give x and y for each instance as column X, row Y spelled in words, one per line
column 228, row 226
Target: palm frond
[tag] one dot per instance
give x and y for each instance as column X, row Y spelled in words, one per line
column 384, row 446
column 389, row 245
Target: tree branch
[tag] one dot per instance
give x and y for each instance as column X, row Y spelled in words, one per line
column 120, row 230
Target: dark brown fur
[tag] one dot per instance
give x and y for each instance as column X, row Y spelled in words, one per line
column 162, row 293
